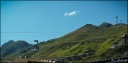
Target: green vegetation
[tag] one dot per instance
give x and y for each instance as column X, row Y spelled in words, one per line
column 14, row 48
column 87, row 38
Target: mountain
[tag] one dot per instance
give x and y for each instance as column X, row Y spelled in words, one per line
column 98, row 39
column 11, row 47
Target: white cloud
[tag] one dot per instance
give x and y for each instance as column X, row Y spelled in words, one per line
column 71, row 13
column 66, row 14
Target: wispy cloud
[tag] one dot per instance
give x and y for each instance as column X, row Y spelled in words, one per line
column 70, row 13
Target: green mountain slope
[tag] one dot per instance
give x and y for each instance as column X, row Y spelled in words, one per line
column 88, row 37
column 12, row 47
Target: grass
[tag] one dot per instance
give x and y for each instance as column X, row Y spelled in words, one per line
column 77, row 42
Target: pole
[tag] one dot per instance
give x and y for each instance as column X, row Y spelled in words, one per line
column 121, row 21
column 116, row 19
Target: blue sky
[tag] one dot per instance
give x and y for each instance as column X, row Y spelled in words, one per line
column 44, row 20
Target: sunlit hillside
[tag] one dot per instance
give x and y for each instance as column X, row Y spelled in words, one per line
column 87, row 38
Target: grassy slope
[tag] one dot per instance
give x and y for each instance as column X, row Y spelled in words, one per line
column 78, row 41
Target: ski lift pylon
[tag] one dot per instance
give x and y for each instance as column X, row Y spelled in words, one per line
column 35, row 47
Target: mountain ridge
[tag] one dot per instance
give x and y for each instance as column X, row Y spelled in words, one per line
column 98, row 38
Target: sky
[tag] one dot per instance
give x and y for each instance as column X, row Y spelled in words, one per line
column 45, row 20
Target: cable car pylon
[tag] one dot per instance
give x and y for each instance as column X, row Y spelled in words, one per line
column 36, row 48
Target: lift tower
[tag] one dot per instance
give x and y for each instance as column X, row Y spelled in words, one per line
column 116, row 19
column 36, row 48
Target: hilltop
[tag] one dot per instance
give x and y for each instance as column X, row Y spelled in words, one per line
column 87, row 38
column 13, row 47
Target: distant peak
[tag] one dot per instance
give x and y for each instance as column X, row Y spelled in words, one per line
column 89, row 25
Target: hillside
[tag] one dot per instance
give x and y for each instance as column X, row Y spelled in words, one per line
column 12, row 47
column 86, row 38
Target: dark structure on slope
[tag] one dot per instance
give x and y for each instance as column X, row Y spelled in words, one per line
column 35, row 47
